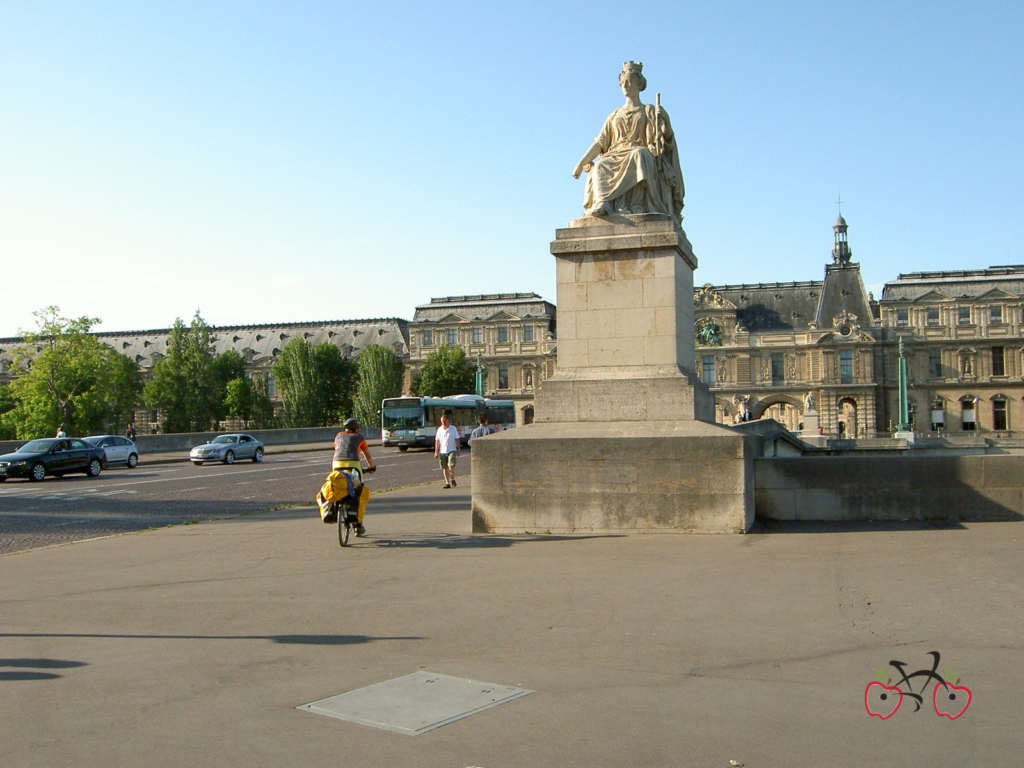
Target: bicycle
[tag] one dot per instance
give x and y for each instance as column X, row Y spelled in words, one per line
column 347, row 510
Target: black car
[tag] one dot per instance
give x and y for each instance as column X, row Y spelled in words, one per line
column 52, row 456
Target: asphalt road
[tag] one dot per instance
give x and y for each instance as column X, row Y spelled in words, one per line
column 76, row 507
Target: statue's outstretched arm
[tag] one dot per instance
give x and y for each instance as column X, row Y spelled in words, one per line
column 585, row 162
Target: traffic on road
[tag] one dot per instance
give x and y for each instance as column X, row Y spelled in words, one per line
column 77, row 507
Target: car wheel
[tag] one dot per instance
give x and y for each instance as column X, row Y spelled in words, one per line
column 94, row 468
column 38, row 472
column 133, row 461
column 258, row 456
column 229, row 457
column 403, row 448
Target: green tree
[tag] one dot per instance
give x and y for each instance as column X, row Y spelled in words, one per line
column 184, row 384
column 7, row 404
column 446, row 371
column 238, row 397
column 262, row 408
column 315, row 383
column 227, row 367
column 379, row 375
column 67, row 375
column 247, row 399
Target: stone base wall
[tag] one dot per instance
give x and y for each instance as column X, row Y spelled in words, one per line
column 890, row 488
column 613, row 476
column 672, row 397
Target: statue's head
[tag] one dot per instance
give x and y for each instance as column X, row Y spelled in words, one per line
column 633, row 69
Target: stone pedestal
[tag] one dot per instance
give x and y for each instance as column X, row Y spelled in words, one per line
column 812, row 424
column 622, row 439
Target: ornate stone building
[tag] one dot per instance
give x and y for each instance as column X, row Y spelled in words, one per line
column 821, row 356
column 512, row 335
column 258, row 345
column 964, row 337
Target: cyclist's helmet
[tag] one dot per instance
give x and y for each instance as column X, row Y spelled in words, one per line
column 351, row 425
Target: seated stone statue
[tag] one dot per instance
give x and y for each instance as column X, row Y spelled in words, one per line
column 633, row 164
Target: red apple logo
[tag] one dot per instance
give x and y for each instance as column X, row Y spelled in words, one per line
column 881, row 700
column 951, row 700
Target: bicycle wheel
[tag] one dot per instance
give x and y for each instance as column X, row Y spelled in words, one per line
column 344, row 527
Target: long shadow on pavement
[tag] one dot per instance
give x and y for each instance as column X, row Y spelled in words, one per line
column 292, row 639
column 850, row 526
column 468, row 541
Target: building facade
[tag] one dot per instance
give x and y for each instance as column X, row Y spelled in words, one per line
column 821, row 356
column 259, row 346
column 512, row 335
column 964, row 337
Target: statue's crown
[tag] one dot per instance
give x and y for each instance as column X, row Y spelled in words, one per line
column 633, row 67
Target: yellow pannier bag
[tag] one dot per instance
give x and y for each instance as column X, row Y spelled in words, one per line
column 337, row 486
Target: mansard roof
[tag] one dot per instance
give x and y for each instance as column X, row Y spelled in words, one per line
column 259, row 344
column 964, row 283
column 773, row 306
column 484, row 306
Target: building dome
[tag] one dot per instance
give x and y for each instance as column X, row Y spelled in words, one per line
column 840, row 222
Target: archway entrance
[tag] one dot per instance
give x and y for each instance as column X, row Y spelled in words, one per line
column 785, row 413
column 846, row 421
column 528, row 414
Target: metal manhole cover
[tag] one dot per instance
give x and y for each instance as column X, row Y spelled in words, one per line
column 415, row 703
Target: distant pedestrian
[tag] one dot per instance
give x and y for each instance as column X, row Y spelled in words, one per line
column 130, row 431
column 446, row 449
column 481, row 430
column 61, row 432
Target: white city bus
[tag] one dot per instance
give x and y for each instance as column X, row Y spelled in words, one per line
column 409, row 422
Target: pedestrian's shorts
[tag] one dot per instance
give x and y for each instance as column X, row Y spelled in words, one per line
column 447, row 460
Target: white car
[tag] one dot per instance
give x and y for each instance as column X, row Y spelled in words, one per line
column 118, row 450
column 227, row 448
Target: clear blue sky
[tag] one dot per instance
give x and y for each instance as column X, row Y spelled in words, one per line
column 286, row 161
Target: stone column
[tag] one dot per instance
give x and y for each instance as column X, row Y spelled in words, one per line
column 625, row 325
column 623, row 439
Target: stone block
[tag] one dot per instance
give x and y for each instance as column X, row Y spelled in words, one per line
column 615, row 352
column 659, row 292
column 591, row 324
column 637, row 322
column 604, row 476
column 615, row 294
column 572, row 297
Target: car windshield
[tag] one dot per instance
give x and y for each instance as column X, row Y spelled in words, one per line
column 36, row 446
column 224, row 439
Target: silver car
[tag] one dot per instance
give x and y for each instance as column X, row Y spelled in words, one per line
column 228, row 448
column 117, row 449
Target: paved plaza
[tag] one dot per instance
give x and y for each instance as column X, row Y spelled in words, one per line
column 197, row 644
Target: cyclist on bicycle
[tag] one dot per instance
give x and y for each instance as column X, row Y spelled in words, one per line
column 347, row 447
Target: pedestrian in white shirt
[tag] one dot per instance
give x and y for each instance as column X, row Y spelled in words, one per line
column 446, row 449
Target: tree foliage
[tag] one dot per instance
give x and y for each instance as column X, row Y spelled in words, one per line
column 238, row 396
column 184, row 384
column 315, row 383
column 246, row 399
column 379, row 375
column 446, row 371
column 65, row 375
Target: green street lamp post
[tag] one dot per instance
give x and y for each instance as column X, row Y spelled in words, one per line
column 904, row 421
column 479, row 375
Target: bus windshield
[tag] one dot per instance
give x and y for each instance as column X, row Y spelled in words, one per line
column 501, row 414
column 403, row 416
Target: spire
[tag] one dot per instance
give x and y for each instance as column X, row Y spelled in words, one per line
column 841, row 252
